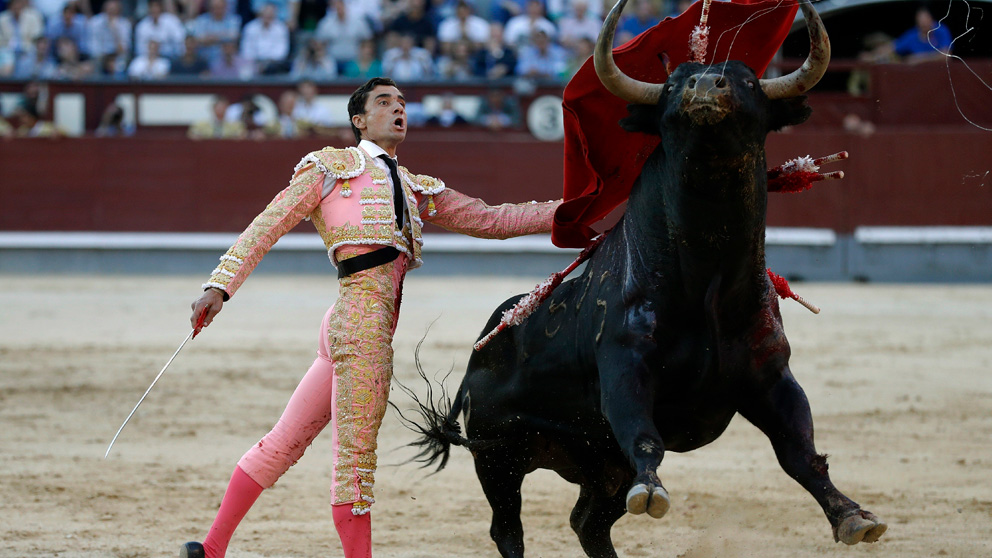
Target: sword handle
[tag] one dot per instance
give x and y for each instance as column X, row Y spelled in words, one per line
column 199, row 322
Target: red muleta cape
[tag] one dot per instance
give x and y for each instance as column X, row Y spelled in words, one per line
column 602, row 161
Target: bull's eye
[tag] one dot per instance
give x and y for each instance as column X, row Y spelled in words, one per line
column 750, row 84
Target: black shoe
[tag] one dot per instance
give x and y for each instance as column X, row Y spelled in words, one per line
column 191, row 550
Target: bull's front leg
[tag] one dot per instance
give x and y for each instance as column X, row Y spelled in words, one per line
column 781, row 411
column 627, row 398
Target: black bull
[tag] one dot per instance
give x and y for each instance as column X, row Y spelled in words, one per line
column 672, row 329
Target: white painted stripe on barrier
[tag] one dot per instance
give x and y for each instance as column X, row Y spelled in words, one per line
column 799, row 236
column 223, row 241
column 923, row 235
column 455, row 243
column 433, row 243
column 117, row 240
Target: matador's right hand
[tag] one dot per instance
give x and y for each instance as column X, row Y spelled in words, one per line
column 212, row 300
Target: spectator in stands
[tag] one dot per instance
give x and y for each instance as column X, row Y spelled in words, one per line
column 496, row 60
column 579, row 24
column 313, row 63
column 927, row 40
column 859, row 80
column 112, row 66
column 390, row 10
column 521, row 28
column 150, row 65
column 216, row 127
column 367, row 65
column 459, row 65
column 408, row 62
column 8, row 60
column 504, row 10
column 38, row 63
column 250, row 115
column 556, row 10
column 578, row 55
column 448, row 116
column 69, row 62
column 50, row 10
column 109, row 32
column 631, row 26
column 31, row 125
column 285, row 124
column 265, row 42
column 307, row 110
column 162, row 27
column 71, row 24
column 285, row 11
column 499, row 110
column 310, row 14
column 414, row 20
column 214, row 28
column 542, row 59
column 6, row 130
column 190, row 63
column 342, row 30
column 463, row 25
column 680, row 7
column 112, row 123
column 370, row 10
column 20, row 25
column 34, row 96
column 231, row 65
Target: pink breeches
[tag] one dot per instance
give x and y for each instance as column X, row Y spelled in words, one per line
column 347, row 387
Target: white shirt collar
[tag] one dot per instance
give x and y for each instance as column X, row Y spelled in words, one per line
column 372, row 149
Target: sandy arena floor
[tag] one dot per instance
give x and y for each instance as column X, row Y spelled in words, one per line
column 898, row 378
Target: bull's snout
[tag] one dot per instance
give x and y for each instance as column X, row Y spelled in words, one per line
column 708, row 84
column 706, row 98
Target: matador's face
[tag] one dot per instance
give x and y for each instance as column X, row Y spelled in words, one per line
column 384, row 121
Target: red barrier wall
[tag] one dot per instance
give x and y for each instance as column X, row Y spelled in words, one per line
column 908, row 177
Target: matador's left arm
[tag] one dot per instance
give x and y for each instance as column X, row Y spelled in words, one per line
column 459, row 213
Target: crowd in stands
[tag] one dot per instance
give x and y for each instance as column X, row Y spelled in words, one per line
column 299, row 113
column 322, row 40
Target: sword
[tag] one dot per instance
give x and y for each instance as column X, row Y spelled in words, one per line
column 192, row 334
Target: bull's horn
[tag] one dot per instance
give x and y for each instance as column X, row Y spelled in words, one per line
column 803, row 79
column 618, row 83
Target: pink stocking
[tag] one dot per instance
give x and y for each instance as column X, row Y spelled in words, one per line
column 241, row 493
column 355, row 531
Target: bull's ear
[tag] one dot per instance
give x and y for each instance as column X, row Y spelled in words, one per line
column 789, row 112
column 643, row 118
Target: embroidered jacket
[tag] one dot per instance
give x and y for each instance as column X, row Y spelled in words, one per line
column 356, row 208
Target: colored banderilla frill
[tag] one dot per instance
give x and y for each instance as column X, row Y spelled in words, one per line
column 700, row 38
column 526, row 305
column 799, row 174
column 782, row 289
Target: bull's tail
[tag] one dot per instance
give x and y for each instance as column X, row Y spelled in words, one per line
column 437, row 424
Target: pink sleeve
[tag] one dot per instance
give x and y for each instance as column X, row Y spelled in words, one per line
column 283, row 213
column 459, row 213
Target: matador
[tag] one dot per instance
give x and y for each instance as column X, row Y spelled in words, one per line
column 369, row 212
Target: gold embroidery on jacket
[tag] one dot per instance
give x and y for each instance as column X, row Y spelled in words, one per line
column 283, row 213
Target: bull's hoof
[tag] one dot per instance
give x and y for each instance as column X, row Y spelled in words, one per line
column 646, row 498
column 861, row 526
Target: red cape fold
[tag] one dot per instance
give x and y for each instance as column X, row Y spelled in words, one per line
column 602, row 161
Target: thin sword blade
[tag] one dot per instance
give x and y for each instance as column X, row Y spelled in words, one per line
column 164, row 368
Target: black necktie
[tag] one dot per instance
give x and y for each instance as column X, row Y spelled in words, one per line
column 397, row 189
